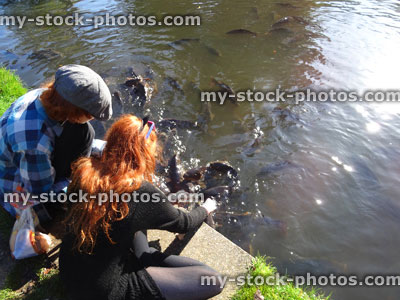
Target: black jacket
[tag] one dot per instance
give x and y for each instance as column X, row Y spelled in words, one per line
column 112, row 272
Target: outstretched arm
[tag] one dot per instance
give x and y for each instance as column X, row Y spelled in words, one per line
column 163, row 215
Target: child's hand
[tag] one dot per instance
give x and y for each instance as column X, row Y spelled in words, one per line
column 210, row 205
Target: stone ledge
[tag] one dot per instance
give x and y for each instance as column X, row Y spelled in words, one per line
column 210, row 247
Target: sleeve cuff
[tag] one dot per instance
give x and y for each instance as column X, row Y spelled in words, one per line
column 97, row 147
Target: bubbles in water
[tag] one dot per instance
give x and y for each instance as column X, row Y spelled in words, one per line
column 257, row 132
column 194, row 162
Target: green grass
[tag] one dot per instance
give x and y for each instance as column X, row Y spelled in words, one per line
column 46, row 284
column 23, row 271
column 11, row 88
column 287, row 291
column 8, row 294
column 6, row 224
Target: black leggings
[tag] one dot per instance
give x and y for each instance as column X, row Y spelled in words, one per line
column 178, row 277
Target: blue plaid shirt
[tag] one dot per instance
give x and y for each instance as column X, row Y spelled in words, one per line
column 26, row 147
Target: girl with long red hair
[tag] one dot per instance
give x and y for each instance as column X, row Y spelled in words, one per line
column 105, row 254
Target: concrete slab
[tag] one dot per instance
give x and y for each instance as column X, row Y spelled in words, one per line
column 210, row 247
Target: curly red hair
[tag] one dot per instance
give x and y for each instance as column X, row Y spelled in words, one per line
column 127, row 160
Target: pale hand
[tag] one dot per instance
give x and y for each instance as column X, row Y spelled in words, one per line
column 210, row 205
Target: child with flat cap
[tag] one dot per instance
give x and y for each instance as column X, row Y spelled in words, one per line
column 47, row 129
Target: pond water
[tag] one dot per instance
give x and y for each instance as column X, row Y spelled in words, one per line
column 338, row 192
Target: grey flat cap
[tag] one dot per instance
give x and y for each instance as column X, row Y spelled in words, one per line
column 84, row 88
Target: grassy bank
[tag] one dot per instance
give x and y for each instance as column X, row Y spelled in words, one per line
column 30, row 281
column 272, row 292
column 11, row 88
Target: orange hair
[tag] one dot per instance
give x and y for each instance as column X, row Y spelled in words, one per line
column 127, row 160
column 60, row 109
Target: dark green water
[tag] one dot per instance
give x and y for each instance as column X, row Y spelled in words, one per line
column 341, row 202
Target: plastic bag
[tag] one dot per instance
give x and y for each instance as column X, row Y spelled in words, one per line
column 24, row 241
